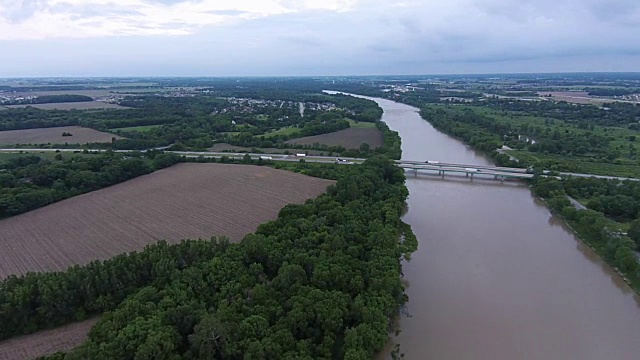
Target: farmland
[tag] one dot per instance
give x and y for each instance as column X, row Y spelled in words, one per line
column 84, row 105
column 184, row 201
column 80, row 135
column 361, row 124
column 143, row 128
column 235, row 148
column 579, row 97
column 45, row 342
column 350, row 138
column 283, row 131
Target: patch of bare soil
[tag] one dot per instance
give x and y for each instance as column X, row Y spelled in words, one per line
column 350, row 138
column 186, row 201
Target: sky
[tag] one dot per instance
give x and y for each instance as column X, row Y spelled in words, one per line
column 316, row 37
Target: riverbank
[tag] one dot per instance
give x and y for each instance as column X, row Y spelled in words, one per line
column 496, row 276
column 598, row 232
column 605, row 239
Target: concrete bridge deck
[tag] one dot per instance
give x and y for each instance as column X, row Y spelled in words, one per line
column 468, row 171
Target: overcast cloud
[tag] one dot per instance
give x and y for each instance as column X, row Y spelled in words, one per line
column 315, row 37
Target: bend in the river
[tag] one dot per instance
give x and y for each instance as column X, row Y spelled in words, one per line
column 496, row 276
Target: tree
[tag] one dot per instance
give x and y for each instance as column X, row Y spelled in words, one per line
column 634, row 232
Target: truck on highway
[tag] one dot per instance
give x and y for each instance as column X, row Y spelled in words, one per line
column 432, row 162
column 472, row 169
column 266, row 158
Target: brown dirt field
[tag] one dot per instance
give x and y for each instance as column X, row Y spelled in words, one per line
column 92, row 93
column 565, row 93
column 46, row 342
column 350, row 138
column 184, row 201
column 81, row 105
column 53, row 135
column 219, row 147
column 580, row 97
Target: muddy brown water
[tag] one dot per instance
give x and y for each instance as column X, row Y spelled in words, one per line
column 496, row 276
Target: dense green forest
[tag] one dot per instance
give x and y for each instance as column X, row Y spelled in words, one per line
column 31, row 118
column 47, row 99
column 322, row 281
column 237, row 126
column 542, row 142
column 197, row 122
column 30, row 182
column 619, row 200
column 584, row 116
column 612, row 92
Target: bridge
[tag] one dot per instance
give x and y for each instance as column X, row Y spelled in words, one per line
column 497, row 172
column 433, row 167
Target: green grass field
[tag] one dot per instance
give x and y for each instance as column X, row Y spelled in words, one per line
column 624, row 141
column 619, row 136
column 144, row 128
column 360, row 124
column 283, row 131
column 622, row 168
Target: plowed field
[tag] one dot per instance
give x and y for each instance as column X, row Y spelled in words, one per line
column 350, row 138
column 184, row 201
column 46, row 342
column 53, row 135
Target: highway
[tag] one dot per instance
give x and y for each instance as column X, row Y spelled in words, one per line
column 407, row 164
column 206, row 154
column 597, row 176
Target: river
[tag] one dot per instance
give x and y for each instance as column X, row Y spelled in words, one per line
column 496, row 276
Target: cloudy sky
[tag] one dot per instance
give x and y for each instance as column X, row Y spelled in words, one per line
column 315, row 37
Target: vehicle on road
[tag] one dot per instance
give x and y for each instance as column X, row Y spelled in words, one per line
column 266, row 158
column 301, row 155
column 472, row 169
column 432, row 162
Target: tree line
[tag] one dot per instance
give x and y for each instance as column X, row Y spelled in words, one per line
column 321, row 281
column 611, row 114
column 47, row 99
column 29, row 182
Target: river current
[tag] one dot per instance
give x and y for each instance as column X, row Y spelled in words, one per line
column 496, row 275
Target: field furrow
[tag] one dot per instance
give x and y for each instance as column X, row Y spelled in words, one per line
column 184, row 201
